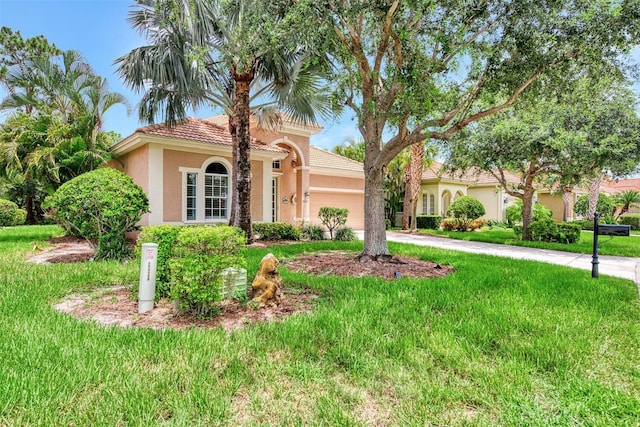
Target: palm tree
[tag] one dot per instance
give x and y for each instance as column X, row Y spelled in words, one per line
column 212, row 52
column 60, row 136
column 626, row 200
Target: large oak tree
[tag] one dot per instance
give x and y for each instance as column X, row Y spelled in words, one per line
column 422, row 69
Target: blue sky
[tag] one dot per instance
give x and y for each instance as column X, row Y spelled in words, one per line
column 100, row 31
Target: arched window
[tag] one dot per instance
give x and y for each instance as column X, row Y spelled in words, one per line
column 216, row 191
column 206, row 192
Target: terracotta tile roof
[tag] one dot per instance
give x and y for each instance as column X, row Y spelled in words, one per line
column 325, row 159
column 621, row 185
column 474, row 175
column 202, row 130
column 223, row 120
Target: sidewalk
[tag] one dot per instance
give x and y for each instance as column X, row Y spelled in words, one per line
column 627, row 268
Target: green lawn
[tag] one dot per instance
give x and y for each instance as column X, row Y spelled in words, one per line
column 499, row 342
column 618, row 245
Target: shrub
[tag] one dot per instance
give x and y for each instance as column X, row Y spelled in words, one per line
column 547, row 230
column 387, row 224
column 431, row 222
column 100, row 205
column 165, row 236
column 514, row 212
column 631, row 219
column 345, row 234
column 312, row 232
column 568, row 232
column 11, row 214
column 271, row 231
column 453, row 224
column 466, row 208
column 200, row 255
column 333, row 218
column 543, row 230
column 605, row 205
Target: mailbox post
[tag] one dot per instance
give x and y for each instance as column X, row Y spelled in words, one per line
column 604, row 230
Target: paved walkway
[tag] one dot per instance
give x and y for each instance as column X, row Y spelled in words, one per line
column 627, row 268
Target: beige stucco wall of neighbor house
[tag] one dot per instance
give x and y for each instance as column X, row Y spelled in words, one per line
column 348, row 194
column 491, row 198
column 353, row 201
column 136, row 164
column 553, row 202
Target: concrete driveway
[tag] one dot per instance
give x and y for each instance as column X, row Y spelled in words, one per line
column 627, row 268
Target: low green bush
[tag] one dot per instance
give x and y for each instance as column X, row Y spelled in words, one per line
column 165, row 236
column 273, row 231
column 312, row 232
column 345, row 234
column 547, row 230
column 100, row 205
column 431, row 222
column 199, row 256
column 11, row 214
column 568, row 232
column 632, row 219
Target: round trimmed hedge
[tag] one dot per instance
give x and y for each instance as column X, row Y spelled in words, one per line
column 101, row 205
column 11, row 214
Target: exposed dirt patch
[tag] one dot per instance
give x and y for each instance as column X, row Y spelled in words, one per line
column 63, row 249
column 117, row 306
column 346, row 264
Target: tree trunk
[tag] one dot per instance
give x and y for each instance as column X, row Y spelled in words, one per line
column 32, row 218
column 243, row 175
column 233, row 209
column 375, row 237
column 567, row 193
column 406, row 204
column 594, row 192
column 527, row 211
column 416, row 166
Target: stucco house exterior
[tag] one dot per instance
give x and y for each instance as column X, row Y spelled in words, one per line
column 440, row 188
column 186, row 173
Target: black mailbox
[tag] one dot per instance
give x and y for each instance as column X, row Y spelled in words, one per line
column 613, row 230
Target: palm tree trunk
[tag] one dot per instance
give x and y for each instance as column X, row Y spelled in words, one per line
column 416, row 165
column 243, row 174
column 233, row 208
column 567, row 193
column 406, row 203
column 594, row 191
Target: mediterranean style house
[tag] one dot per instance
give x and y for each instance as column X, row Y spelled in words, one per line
column 186, row 173
column 439, row 188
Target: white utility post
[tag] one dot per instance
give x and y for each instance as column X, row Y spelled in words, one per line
column 148, row 265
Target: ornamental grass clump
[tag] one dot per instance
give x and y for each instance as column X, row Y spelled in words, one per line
column 101, row 205
column 199, row 256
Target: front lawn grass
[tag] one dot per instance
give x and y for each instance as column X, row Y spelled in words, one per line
column 617, row 245
column 499, row 342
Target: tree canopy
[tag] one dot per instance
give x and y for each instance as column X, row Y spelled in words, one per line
column 429, row 69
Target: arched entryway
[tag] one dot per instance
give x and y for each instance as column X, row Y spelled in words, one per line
column 446, row 201
column 290, row 185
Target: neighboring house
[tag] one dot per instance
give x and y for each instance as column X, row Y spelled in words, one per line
column 439, row 189
column 186, row 172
